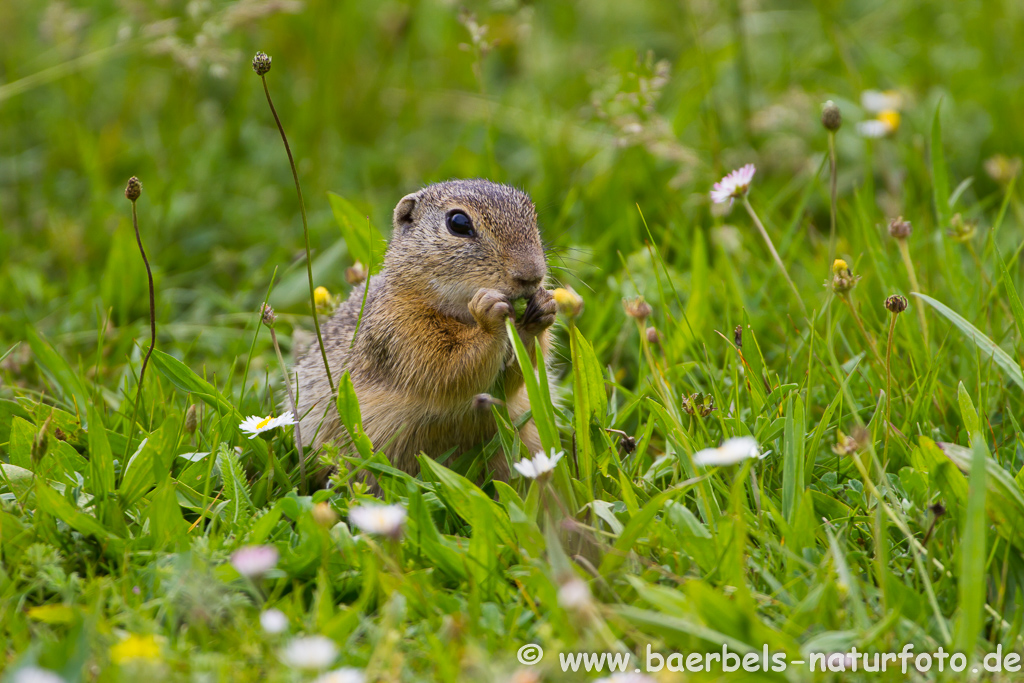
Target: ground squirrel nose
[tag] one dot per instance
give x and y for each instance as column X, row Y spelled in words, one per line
column 528, row 282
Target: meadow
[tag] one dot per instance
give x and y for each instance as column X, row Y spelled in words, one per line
column 851, row 311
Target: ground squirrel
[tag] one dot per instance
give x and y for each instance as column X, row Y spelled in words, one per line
column 432, row 337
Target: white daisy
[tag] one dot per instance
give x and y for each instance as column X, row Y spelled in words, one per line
column 33, row 674
column 574, row 594
column 310, row 652
column 254, row 424
column 380, row 520
column 626, row 678
column 734, row 185
column 877, row 101
column 254, row 560
column 874, row 128
column 273, row 621
column 539, row 465
column 342, row 675
column 730, row 452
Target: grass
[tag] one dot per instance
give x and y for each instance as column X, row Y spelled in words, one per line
column 887, row 510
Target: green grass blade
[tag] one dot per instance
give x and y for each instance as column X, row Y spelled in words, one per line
column 984, row 344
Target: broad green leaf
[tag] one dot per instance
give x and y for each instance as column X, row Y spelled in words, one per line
column 167, row 526
column 101, row 459
column 19, row 446
column 1011, row 294
column 55, row 504
column 66, row 379
column 348, row 405
column 364, row 241
column 793, row 457
column 460, row 493
column 967, row 411
column 1004, row 502
column 973, row 578
column 236, row 488
column 984, row 344
column 150, row 464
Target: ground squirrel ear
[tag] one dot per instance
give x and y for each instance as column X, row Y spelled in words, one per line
column 403, row 212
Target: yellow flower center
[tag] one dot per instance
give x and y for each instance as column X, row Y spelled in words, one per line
column 891, row 118
column 263, row 423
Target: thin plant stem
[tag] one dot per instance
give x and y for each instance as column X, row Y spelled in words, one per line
column 863, row 330
column 295, row 411
column 775, row 254
column 888, row 385
column 833, row 194
column 305, row 231
column 905, row 255
column 152, row 331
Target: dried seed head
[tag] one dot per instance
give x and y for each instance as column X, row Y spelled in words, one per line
column 831, row 118
column 628, row 444
column 737, row 336
column 261, row 63
column 899, row 228
column 699, row 404
column 937, row 509
column 570, row 304
column 844, row 444
column 355, row 274
column 269, row 317
column 41, row 442
column 896, row 304
column 191, row 419
column 637, row 308
column 133, row 190
column 653, row 337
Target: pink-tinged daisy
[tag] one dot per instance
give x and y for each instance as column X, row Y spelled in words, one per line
column 254, row 560
column 734, row 185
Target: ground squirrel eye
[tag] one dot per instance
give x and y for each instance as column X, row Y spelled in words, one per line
column 460, row 224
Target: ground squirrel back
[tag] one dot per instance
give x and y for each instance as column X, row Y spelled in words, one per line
column 432, row 337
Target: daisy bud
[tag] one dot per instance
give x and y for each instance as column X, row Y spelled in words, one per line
column 699, row 404
column 324, row 515
column 831, row 118
column 1002, row 168
column 653, row 338
column 269, row 317
column 896, row 304
column 356, row 274
column 134, row 189
column 191, row 419
column 637, row 308
column 961, row 230
column 261, row 63
column 570, row 304
column 843, row 280
column 899, row 228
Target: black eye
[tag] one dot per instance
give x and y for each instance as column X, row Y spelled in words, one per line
column 460, row 224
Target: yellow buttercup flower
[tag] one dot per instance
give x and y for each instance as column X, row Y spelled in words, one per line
column 839, row 266
column 322, row 297
column 135, row 647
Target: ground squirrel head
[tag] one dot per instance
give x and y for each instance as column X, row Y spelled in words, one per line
column 453, row 238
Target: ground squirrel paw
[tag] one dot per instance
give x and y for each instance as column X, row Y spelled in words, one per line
column 489, row 308
column 540, row 312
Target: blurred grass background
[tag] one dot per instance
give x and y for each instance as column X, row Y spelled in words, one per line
column 380, row 98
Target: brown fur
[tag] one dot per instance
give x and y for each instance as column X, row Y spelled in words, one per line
column 432, row 336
